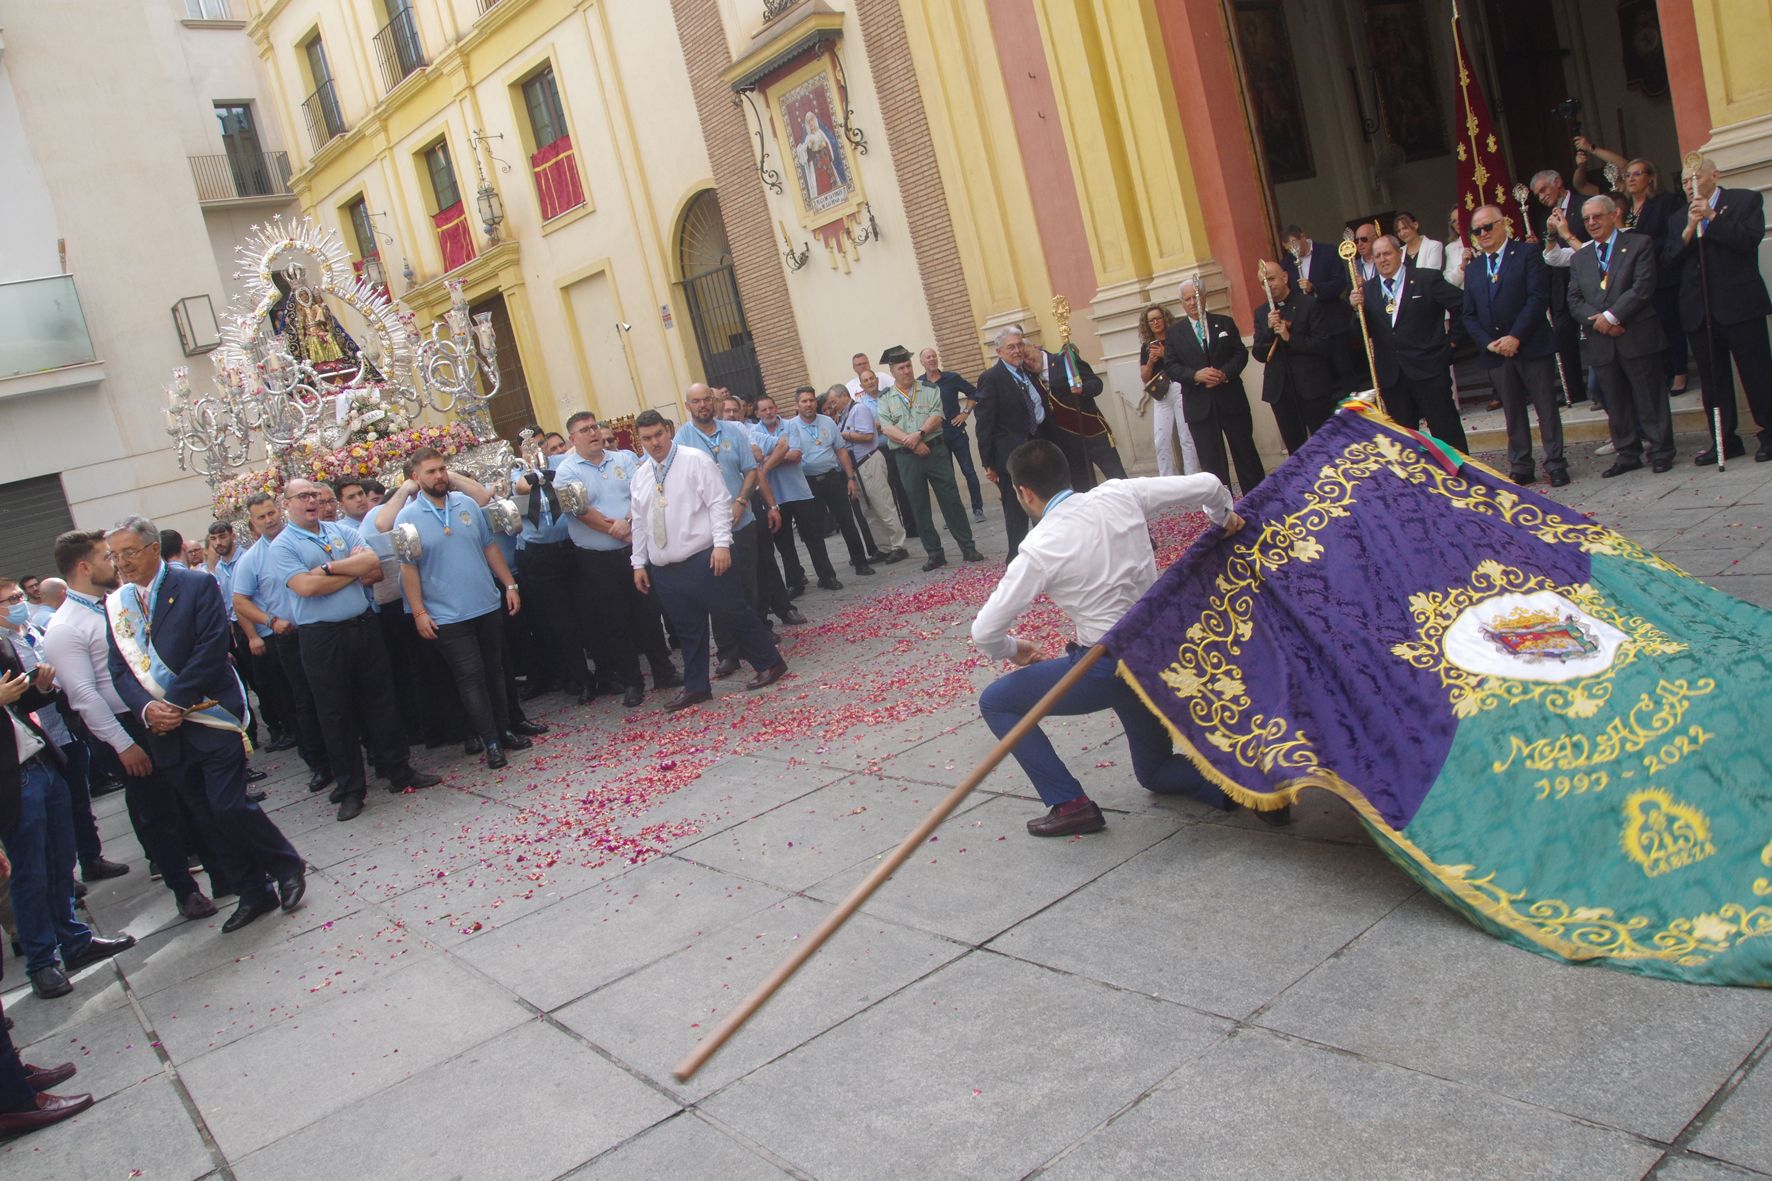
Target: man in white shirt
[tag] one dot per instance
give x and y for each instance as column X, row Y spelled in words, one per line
column 1090, row 553
column 682, row 545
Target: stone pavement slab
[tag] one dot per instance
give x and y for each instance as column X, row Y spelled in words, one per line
column 685, row 1147
column 1691, row 1167
column 1741, row 1128
column 982, row 1070
column 143, row 1132
column 111, row 1052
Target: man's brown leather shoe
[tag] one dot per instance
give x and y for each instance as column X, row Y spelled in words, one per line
column 1065, row 820
column 50, row 1109
column 44, row 1078
column 686, row 699
column 768, row 676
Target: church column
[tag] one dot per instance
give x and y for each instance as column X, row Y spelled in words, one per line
column 1732, row 36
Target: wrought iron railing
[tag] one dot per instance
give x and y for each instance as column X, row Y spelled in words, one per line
column 235, row 176
column 325, row 120
column 398, row 50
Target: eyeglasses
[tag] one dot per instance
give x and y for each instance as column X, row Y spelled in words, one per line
column 1362, row 237
column 130, row 554
column 17, row 597
column 1484, row 228
column 304, row 496
column 1636, row 174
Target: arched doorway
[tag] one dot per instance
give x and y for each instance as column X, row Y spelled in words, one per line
column 710, row 289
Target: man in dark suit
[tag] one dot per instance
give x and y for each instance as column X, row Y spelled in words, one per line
column 1612, row 292
column 1554, row 198
column 1321, row 274
column 1010, row 410
column 1723, row 305
column 169, row 661
column 1405, row 310
column 37, row 831
column 1071, row 385
column 1506, row 292
column 1298, row 380
column 1205, row 353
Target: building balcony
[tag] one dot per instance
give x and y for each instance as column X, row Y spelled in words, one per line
column 325, row 119
column 398, row 51
column 242, row 178
column 44, row 344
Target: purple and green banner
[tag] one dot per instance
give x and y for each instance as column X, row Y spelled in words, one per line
column 1559, row 734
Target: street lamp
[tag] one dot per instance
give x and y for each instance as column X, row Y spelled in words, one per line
column 492, row 209
column 372, row 271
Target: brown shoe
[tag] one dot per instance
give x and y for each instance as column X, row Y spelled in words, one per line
column 50, row 1109
column 1065, row 820
column 196, row 905
column 768, row 676
column 44, row 1078
column 686, row 699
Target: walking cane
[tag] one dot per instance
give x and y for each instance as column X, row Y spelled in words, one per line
column 1693, row 161
column 1519, row 192
column 1347, row 250
column 784, row 971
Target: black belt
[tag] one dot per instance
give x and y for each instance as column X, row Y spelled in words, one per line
column 367, row 617
column 548, row 544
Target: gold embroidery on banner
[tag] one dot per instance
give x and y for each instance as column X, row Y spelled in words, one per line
column 1649, row 719
column 1662, row 835
column 1763, row 886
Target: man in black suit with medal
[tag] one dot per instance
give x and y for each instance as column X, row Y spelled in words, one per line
column 1405, row 310
column 1010, row 409
column 1506, row 292
column 1205, row 353
column 1553, row 197
column 1611, row 294
column 1299, row 351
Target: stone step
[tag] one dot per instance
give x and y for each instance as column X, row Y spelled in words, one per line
column 1487, row 431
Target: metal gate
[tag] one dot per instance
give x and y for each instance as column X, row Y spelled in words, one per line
column 728, row 355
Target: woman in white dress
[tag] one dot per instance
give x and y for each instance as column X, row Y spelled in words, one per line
column 1419, row 251
column 1165, row 395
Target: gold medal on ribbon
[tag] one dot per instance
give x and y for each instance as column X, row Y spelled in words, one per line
column 1390, row 309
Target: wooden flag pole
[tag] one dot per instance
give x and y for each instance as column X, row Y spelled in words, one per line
column 747, row 1009
column 1348, row 250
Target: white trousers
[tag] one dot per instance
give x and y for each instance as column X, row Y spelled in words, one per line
column 876, row 502
column 1167, row 421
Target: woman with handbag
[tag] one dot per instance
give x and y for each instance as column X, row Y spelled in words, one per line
column 1164, row 395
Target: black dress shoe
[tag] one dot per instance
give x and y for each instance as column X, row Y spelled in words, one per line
column 1662, row 465
column 1559, row 479
column 48, row 1078
column 251, row 908
column 291, row 889
column 1764, row 453
column 829, row 584
column 350, row 807
column 257, row 797
column 495, row 758
column 972, row 555
column 727, row 666
column 410, row 776
column 196, row 905
column 666, row 679
column 511, row 740
column 795, row 590
column 686, row 699
column 51, row 982
column 588, row 694
column 80, row 889
column 337, row 795
column 895, row 555
column 768, row 676
column 253, row 775
column 935, row 563
column 525, row 726
column 878, row 558
column 472, row 746
column 864, row 569
column 791, row 619
column 1065, row 820
column 318, row 780
column 1276, row 817
column 279, row 742
column 50, row 1109
column 96, row 949
column 1619, row 468
column 634, row 696
column 531, row 692
column 98, row 869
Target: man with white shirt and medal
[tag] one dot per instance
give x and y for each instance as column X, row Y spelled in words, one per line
column 1405, row 310
column 1090, row 553
column 682, row 539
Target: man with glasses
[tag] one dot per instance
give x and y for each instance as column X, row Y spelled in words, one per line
column 323, row 565
column 1506, row 294
column 1405, row 312
column 1612, row 294
column 1560, row 204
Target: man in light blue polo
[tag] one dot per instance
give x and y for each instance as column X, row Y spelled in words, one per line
column 545, row 565
column 830, row 473
column 621, row 623
column 860, row 428
column 728, row 444
column 783, row 444
column 324, row 564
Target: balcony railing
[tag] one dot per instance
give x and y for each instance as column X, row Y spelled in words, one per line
column 325, row 120
column 398, row 49
column 487, row 6
column 42, row 326
column 241, row 176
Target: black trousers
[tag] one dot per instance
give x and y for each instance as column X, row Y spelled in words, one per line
column 1218, row 432
column 1530, row 384
column 805, row 517
column 310, row 741
column 546, row 572
column 1726, row 348
column 1015, row 518
column 1298, row 418
column 159, row 822
column 414, row 694
column 955, row 437
column 474, row 650
column 264, row 675
column 832, row 492
column 1568, row 337
column 353, row 688
column 1104, row 456
column 1409, row 400
column 1636, row 407
column 691, row 592
column 611, row 612
column 251, row 849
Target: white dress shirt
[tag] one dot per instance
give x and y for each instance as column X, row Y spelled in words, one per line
column 26, row 738
column 77, row 643
column 1091, row 555
column 697, row 509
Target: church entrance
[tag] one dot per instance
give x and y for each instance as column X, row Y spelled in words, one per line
column 511, row 408
column 710, row 288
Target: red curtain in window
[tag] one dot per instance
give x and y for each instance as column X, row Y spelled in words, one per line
column 556, row 178
column 455, row 236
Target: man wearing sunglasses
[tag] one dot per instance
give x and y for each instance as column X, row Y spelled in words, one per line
column 1506, row 294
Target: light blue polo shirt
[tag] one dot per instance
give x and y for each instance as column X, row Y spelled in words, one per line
column 608, row 489
column 296, row 552
column 787, row 480
column 224, row 576
column 452, row 569
column 730, row 447
column 246, row 581
column 818, row 443
column 864, row 415
column 551, row 528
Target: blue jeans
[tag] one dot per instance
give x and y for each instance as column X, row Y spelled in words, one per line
column 41, row 849
column 1154, row 761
